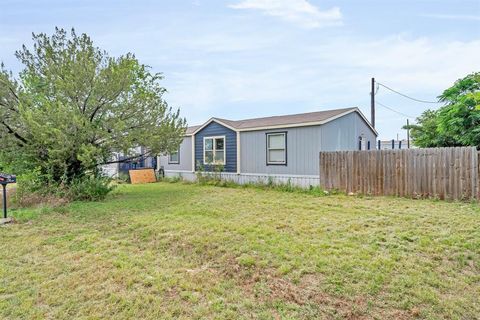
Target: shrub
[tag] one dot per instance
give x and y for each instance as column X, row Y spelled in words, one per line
column 33, row 189
column 89, row 188
column 123, row 177
column 175, row 179
column 32, row 181
column 213, row 177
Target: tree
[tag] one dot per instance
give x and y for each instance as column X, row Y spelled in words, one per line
column 73, row 105
column 457, row 123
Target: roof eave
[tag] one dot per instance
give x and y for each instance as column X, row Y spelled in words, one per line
column 292, row 125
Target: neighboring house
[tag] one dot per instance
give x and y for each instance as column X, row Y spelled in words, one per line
column 281, row 148
column 113, row 170
column 394, row 144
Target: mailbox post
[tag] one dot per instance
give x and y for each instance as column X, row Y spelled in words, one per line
column 4, row 187
column 4, row 180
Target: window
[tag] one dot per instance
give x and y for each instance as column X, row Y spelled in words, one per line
column 277, row 148
column 362, row 143
column 214, row 150
column 174, row 158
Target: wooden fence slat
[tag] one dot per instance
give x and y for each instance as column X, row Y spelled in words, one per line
column 445, row 173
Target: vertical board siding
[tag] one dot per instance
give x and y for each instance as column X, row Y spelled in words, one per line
column 444, row 173
column 215, row 129
column 185, row 157
column 303, row 145
column 297, row 181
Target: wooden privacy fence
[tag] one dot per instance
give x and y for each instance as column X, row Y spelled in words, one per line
column 445, row 173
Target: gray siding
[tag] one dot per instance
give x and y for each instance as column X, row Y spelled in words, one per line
column 185, row 157
column 303, row 145
column 362, row 129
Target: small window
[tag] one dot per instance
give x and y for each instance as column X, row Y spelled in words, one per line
column 174, row 158
column 362, row 143
column 214, row 150
column 277, row 148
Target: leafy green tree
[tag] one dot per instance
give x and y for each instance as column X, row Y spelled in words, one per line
column 73, row 105
column 457, row 123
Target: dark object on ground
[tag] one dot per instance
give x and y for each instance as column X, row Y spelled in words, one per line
column 4, row 180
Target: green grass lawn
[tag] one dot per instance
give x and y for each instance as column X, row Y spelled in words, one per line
column 163, row 250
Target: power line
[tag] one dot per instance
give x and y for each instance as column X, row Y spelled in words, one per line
column 393, row 110
column 406, row 96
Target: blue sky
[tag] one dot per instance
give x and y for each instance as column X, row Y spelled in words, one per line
column 241, row 59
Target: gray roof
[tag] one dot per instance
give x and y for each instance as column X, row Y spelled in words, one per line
column 293, row 119
column 285, row 120
column 192, row 129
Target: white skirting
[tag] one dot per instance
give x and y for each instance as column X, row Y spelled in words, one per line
column 302, row 181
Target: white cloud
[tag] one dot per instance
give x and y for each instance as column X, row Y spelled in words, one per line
column 300, row 12
column 412, row 63
column 334, row 73
column 314, row 70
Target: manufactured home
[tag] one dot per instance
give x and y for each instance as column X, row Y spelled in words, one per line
column 279, row 148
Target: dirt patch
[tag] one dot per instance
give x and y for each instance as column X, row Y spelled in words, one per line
column 307, row 292
column 35, row 199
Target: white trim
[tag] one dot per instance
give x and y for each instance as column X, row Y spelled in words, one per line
column 308, row 124
column 214, row 150
column 279, row 175
column 238, row 152
column 291, row 125
column 284, row 149
column 259, row 174
column 169, row 157
column 366, row 121
column 193, row 153
column 213, row 120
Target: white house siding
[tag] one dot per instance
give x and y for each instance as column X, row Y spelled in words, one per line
column 303, row 146
column 110, row 170
column 185, row 175
column 185, row 157
column 295, row 180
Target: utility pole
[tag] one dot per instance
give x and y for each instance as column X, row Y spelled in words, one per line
column 372, row 103
column 408, row 134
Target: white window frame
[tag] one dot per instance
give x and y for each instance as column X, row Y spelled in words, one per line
column 363, row 142
column 178, row 158
column 215, row 151
column 282, row 163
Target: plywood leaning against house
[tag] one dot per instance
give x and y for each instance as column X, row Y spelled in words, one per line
column 444, row 173
column 138, row 176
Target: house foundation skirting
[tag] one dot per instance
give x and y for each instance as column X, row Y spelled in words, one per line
column 303, row 181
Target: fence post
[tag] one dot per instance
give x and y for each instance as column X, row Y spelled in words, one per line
column 447, row 173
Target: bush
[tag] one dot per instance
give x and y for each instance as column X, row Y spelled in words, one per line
column 33, row 190
column 205, row 177
column 89, row 188
column 123, row 177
